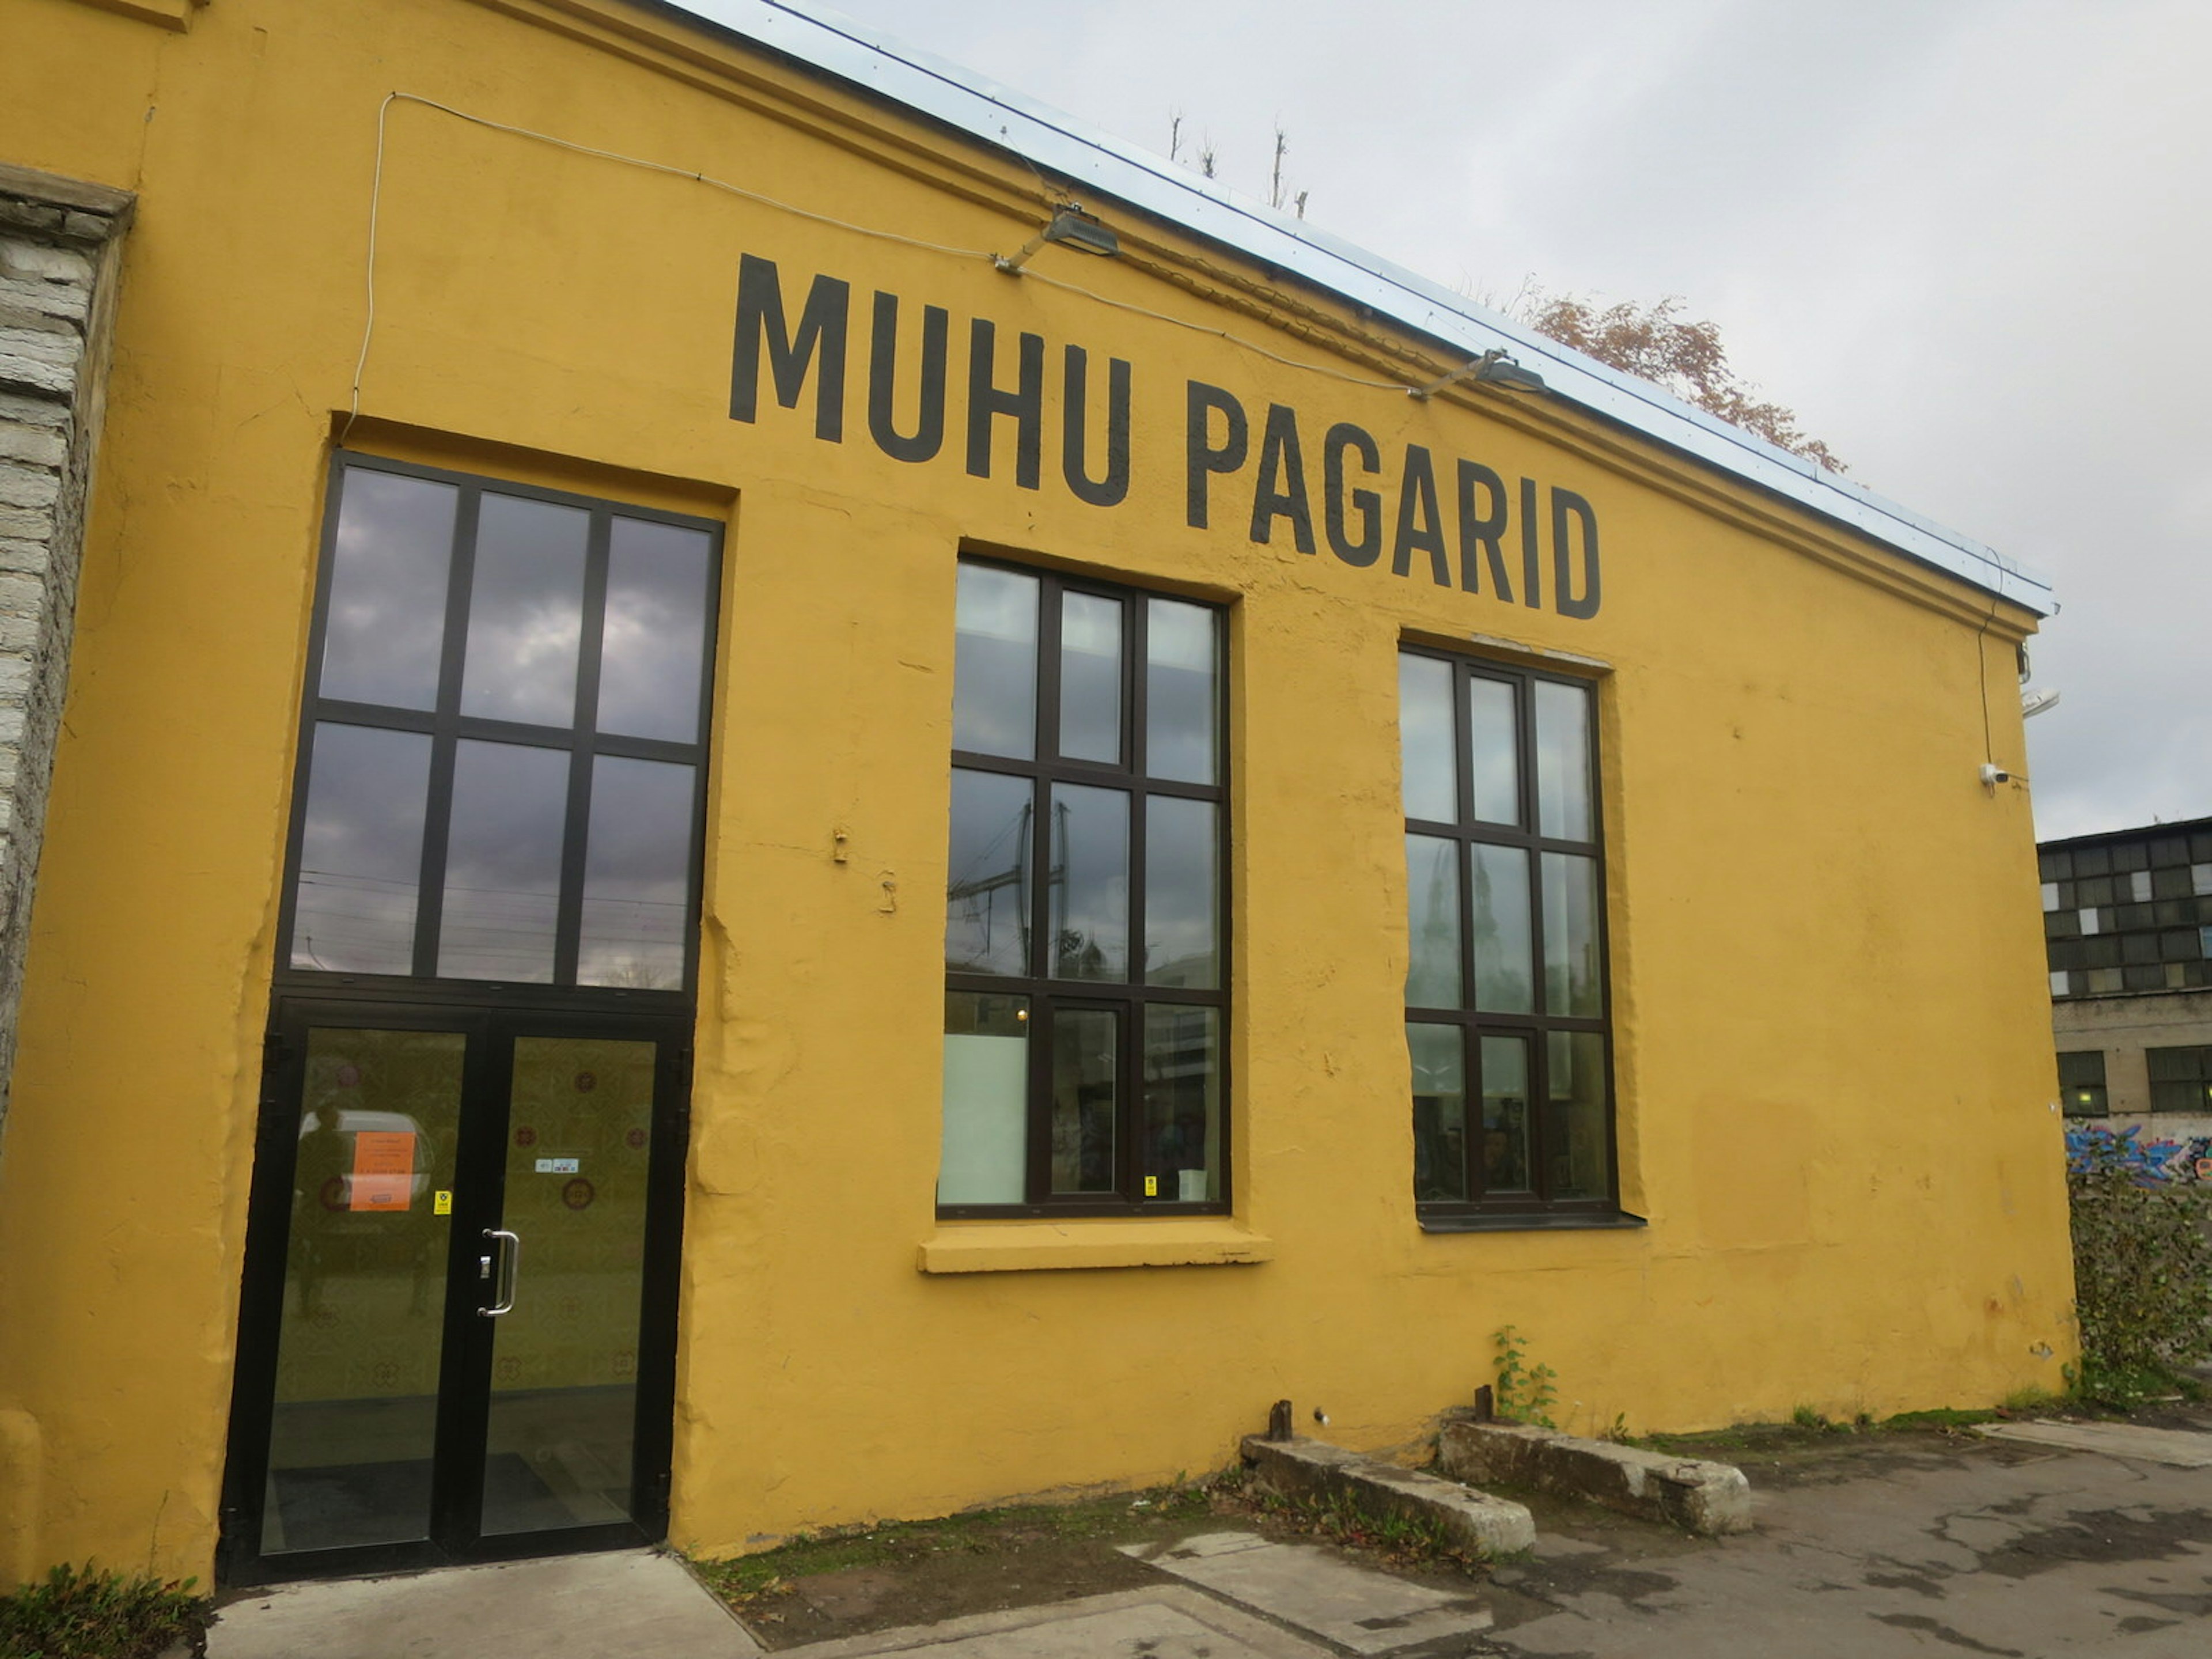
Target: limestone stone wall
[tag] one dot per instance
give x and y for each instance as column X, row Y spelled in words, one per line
column 60, row 245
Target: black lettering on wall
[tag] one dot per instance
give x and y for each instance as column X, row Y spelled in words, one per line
column 1486, row 531
column 928, row 436
column 1025, row 403
column 1074, row 427
column 1420, row 520
column 1566, row 504
column 1532, row 573
column 1201, row 458
column 1280, row 491
column 821, row 326
column 1369, row 547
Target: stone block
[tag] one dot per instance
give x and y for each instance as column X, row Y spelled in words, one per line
column 38, row 445
column 1683, row 1491
column 1474, row 1521
column 34, row 262
column 88, row 227
column 21, row 370
column 41, row 345
column 63, row 300
column 28, row 558
column 24, row 524
column 28, row 486
column 21, row 595
column 27, row 409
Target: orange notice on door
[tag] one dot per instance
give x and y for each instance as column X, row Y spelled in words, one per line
column 383, row 1170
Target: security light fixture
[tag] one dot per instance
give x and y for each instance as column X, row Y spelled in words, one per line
column 1070, row 224
column 1493, row 367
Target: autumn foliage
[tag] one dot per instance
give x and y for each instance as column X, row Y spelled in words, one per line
column 1657, row 344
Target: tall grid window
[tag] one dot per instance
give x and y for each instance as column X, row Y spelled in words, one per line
column 1506, row 1015
column 1085, row 941
column 505, row 736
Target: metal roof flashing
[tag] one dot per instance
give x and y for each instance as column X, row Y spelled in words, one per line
column 821, row 39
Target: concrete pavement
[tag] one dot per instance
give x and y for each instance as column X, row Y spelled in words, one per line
column 1993, row 1546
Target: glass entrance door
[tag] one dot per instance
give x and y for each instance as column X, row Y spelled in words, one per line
column 458, row 1327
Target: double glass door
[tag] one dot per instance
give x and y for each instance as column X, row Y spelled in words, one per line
column 457, row 1334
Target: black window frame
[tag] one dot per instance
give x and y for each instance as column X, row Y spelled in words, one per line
column 1536, row 1208
column 2185, row 1090
column 446, row 727
column 2082, row 1086
column 1130, row 998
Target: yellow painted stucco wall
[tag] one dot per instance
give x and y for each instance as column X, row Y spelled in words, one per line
column 1832, row 1055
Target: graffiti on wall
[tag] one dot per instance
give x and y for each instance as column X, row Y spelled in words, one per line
column 2184, row 1160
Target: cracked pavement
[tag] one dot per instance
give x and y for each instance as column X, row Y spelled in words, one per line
column 1989, row 1549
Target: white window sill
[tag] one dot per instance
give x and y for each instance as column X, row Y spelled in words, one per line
column 998, row 1247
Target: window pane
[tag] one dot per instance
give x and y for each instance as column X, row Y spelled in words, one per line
column 2139, row 887
column 1505, row 1115
column 1439, row 1057
column 387, row 606
column 1088, row 850
column 1424, row 739
column 1574, row 1122
column 637, row 874
column 525, row 611
column 1182, row 1104
column 994, row 662
column 1493, row 741
column 360, row 856
column 1086, row 1049
column 1432, row 921
column 1504, row 978
column 2050, row 896
column 1182, row 903
column 656, row 630
column 1090, row 678
column 986, row 889
column 355, row 1418
column 1180, row 700
column 1572, row 984
column 987, row 1090
column 1563, row 762
column 503, row 862
column 2200, row 879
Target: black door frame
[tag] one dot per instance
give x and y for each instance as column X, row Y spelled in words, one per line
column 491, row 1021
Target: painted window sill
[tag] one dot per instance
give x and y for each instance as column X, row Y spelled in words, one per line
column 1532, row 1221
column 168, row 14
column 996, row 1247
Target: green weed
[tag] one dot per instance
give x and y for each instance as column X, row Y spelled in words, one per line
column 1526, row 1393
column 87, row 1615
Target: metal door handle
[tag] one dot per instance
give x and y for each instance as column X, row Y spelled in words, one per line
column 510, row 1263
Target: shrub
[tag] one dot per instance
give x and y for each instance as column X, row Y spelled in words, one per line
column 2142, row 1272
column 100, row 1615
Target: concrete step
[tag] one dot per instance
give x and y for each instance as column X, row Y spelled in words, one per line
column 1688, row 1493
column 1476, row 1521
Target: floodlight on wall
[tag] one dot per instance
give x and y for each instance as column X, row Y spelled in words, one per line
column 2034, row 700
column 1070, row 225
column 1493, row 367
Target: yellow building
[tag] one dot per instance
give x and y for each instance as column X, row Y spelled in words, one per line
column 717, row 864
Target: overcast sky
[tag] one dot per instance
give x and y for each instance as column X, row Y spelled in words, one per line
column 1965, row 241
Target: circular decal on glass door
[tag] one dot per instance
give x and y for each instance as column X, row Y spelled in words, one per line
column 525, row 1136
column 635, row 1138
column 579, row 1193
column 586, row 1081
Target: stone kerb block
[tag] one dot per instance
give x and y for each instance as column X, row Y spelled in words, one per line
column 1474, row 1521
column 1699, row 1497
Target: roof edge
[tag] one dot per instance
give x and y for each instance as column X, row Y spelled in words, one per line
column 821, row 40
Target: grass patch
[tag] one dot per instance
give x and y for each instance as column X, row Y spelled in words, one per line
column 86, row 1614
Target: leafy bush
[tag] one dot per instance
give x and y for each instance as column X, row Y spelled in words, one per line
column 100, row 1615
column 2142, row 1272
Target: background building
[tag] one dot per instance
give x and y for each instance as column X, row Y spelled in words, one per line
column 2127, row 918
